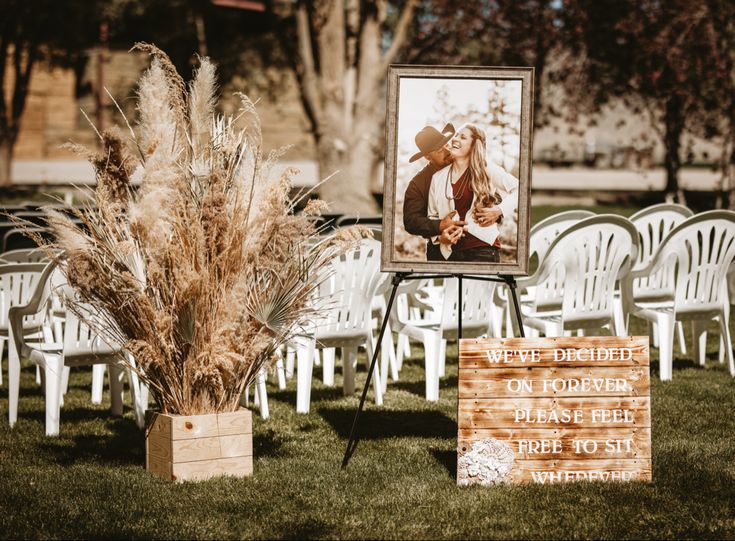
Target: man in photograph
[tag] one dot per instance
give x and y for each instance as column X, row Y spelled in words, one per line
column 432, row 146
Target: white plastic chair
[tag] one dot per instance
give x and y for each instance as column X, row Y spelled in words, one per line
column 17, row 282
column 585, row 261
column 653, row 224
column 81, row 346
column 692, row 261
column 346, row 296
column 434, row 332
column 546, row 295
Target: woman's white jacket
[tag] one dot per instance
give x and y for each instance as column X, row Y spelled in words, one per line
column 439, row 206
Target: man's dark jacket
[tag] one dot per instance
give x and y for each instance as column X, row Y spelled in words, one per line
column 415, row 210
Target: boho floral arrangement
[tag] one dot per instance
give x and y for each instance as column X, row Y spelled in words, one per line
column 205, row 270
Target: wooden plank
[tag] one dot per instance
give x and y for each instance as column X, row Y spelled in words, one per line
column 185, row 427
column 236, row 445
column 559, row 443
column 158, row 444
column 236, row 422
column 159, row 466
column 603, row 412
column 157, row 423
column 556, row 471
column 553, row 381
column 554, row 351
column 199, row 470
column 196, row 449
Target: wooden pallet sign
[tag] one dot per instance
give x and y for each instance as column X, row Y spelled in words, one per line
column 549, row 410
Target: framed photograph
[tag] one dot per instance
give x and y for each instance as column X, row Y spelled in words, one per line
column 457, row 170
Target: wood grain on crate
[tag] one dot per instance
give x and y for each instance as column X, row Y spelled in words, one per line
column 197, row 447
column 538, row 444
column 586, row 381
column 474, row 351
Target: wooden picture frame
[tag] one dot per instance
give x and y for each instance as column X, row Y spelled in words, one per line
column 501, row 101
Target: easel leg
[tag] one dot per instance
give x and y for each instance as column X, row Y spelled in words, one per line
column 354, row 440
column 511, row 281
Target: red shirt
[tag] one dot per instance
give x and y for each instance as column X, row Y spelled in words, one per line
column 463, row 195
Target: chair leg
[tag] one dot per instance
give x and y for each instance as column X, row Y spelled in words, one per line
column 328, row 366
column 116, row 373
column 98, row 382
column 654, row 334
column 432, row 345
column 349, row 358
column 727, row 339
column 442, row 358
column 406, row 349
column 666, row 345
column 13, row 380
column 2, row 347
column 305, row 362
column 65, row 383
column 680, row 336
column 135, row 395
column 280, row 371
column 402, row 350
column 377, row 380
column 38, row 375
column 53, row 375
column 699, row 340
column 290, row 361
column 262, row 395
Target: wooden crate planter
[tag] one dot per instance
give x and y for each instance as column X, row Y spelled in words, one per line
column 198, row 447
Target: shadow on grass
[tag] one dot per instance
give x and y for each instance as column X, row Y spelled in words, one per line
column 448, row 459
column 419, row 387
column 268, row 444
column 375, row 425
column 309, row 528
column 125, row 445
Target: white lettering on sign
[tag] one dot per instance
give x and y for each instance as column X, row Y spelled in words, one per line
column 520, row 386
column 543, row 477
column 618, row 446
column 506, row 356
column 541, row 416
column 585, row 385
column 540, row 446
column 612, row 416
column 593, row 354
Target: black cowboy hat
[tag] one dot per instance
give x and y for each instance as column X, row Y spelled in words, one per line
column 430, row 139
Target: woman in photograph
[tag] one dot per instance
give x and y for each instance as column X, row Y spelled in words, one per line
column 480, row 192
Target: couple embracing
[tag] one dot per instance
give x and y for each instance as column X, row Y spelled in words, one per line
column 459, row 198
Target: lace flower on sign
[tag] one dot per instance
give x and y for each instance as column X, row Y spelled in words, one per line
column 488, row 462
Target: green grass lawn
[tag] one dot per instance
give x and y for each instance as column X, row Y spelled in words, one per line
column 91, row 483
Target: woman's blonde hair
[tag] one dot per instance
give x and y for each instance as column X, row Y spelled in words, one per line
column 482, row 185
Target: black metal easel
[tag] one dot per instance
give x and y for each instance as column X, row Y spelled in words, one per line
column 399, row 277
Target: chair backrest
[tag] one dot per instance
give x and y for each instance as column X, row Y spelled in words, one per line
column 653, row 224
column 17, row 238
column 349, row 290
column 81, row 342
column 548, row 294
column 476, row 298
column 594, row 254
column 27, row 255
column 18, row 283
column 701, row 249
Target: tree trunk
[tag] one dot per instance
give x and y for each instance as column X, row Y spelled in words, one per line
column 6, row 159
column 672, row 144
column 348, row 189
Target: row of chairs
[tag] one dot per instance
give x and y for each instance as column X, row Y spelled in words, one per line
column 664, row 265
column 34, row 321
